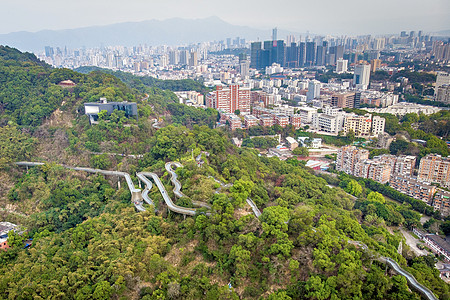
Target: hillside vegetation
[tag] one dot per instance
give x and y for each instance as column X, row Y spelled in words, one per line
column 90, row 243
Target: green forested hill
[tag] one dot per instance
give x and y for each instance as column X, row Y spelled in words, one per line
column 90, row 243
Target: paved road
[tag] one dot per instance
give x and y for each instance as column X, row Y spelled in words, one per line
column 412, row 242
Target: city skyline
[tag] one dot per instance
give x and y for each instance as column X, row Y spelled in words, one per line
column 319, row 17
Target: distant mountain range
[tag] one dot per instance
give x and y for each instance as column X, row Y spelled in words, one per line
column 174, row 31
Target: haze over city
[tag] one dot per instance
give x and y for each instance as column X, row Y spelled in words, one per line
column 348, row 17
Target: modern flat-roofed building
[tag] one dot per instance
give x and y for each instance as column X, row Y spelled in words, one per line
column 378, row 124
column 92, row 109
column 327, row 123
column 292, row 143
column 380, row 171
column 306, row 113
column 343, row 100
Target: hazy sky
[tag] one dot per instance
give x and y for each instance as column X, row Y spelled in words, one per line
column 316, row 16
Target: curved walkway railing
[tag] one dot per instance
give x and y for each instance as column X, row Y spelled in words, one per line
column 410, row 278
column 148, row 187
column 172, row 206
column 136, row 196
column 156, row 124
column 255, row 209
column 177, row 184
column 394, row 265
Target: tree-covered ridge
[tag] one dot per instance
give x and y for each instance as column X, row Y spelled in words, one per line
column 299, row 247
column 29, row 91
column 90, row 243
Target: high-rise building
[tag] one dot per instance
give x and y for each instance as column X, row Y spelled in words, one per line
column 435, row 169
column 313, row 90
column 49, row 51
column 441, row 79
column 301, row 54
column 310, row 54
column 292, row 56
column 320, row 56
column 255, row 55
column 348, row 156
column 193, row 59
column 173, row 57
column 274, row 34
column 341, row 66
column 443, row 94
column 184, row 57
column 362, row 76
column 230, row 99
column 244, row 68
column 375, row 64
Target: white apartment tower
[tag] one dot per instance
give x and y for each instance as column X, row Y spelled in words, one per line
column 341, row 66
column 362, row 76
column 378, row 125
column 313, row 90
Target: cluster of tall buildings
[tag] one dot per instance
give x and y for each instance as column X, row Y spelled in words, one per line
column 294, row 55
column 398, row 171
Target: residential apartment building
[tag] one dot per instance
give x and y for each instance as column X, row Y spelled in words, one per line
column 266, row 120
column 229, row 99
column 361, row 125
column 327, row 123
column 404, row 165
column 348, row 156
column 434, row 168
column 441, row 202
column 344, row 100
column 361, row 168
column 306, row 113
column 235, row 122
column 378, row 124
column 443, row 93
column 250, row 121
column 281, row 120
column 380, row 171
column 296, row 120
column 412, row 187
